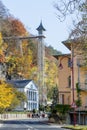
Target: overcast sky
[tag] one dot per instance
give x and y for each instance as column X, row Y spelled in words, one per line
column 31, row 12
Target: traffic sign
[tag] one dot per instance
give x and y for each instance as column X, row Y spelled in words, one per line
column 73, row 105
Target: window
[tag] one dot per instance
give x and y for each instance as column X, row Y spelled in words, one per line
column 62, row 98
column 86, row 81
column 86, row 101
column 69, row 62
column 69, row 81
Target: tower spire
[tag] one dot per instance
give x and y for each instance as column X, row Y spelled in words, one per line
column 40, row 29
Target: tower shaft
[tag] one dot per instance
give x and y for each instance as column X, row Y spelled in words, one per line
column 41, row 66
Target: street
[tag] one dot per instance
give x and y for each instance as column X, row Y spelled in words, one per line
column 28, row 124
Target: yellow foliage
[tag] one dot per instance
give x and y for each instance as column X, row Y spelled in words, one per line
column 51, row 73
column 6, row 95
column 2, row 58
column 0, row 38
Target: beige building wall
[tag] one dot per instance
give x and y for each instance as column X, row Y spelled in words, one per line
column 79, row 73
column 64, row 73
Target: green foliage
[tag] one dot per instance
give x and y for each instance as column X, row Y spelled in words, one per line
column 47, row 108
column 55, row 96
column 78, row 88
column 41, row 108
column 76, row 127
column 78, row 101
column 53, row 51
column 54, row 110
column 34, row 111
column 20, row 96
column 18, row 99
column 62, row 109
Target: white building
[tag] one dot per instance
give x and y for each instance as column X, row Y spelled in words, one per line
column 30, row 90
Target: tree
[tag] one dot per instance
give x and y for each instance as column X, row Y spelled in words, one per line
column 68, row 7
column 51, row 75
column 3, row 11
column 55, row 96
column 53, row 51
column 19, row 97
column 5, row 91
column 4, row 19
column 10, row 97
column 18, row 28
column 16, row 52
column 79, row 32
column 2, row 56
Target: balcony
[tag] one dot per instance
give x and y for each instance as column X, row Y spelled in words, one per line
column 82, row 108
column 83, row 86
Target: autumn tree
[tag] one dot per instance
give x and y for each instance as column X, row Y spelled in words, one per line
column 4, row 19
column 53, row 51
column 19, row 98
column 5, row 91
column 18, row 53
column 18, row 28
column 51, row 76
column 2, row 56
column 10, row 97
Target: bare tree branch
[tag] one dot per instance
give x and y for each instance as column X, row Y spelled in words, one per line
column 66, row 7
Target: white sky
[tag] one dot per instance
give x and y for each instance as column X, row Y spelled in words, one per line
column 31, row 12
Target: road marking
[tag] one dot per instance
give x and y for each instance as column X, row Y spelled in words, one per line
column 1, row 125
column 32, row 129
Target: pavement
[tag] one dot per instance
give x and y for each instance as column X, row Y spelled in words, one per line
column 44, row 120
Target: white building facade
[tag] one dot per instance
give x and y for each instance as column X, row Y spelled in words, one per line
column 31, row 92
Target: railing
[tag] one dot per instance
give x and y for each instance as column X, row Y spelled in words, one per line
column 83, row 86
column 82, row 108
column 14, row 116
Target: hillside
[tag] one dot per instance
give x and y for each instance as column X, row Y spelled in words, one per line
column 19, row 57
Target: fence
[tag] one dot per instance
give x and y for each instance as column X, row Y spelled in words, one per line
column 14, row 116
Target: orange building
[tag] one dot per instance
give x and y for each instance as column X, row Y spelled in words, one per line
column 72, row 76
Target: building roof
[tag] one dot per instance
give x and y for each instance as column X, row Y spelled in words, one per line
column 74, row 41
column 19, row 83
column 41, row 27
column 59, row 55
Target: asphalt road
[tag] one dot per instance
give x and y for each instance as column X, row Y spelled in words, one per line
column 29, row 124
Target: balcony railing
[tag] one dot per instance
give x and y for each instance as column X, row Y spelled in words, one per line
column 82, row 108
column 83, row 86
